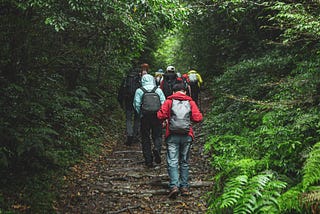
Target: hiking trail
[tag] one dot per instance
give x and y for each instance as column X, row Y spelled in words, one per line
column 119, row 182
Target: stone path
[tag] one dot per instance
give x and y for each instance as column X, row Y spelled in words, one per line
column 119, row 182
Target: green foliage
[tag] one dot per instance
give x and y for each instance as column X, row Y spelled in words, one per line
column 311, row 176
column 261, row 121
column 298, row 20
column 311, row 171
column 289, row 200
column 264, row 56
column 61, row 65
column 243, row 194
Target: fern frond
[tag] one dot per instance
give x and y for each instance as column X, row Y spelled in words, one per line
column 258, row 194
column 265, row 190
column 289, row 201
column 311, row 197
column 233, row 191
column 311, row 200
column 311, row 169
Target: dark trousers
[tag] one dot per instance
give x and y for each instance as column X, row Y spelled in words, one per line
column 151, row 131
column 195, row 92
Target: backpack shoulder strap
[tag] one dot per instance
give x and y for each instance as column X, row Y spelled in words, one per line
column 143, row 89
column 154, row 89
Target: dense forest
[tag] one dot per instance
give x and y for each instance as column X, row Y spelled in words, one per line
column 61, row 64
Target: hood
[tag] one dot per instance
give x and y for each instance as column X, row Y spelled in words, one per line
column 179, row 96
column 148, row 79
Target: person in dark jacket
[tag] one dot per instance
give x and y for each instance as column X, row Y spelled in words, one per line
column 125, row 99
column 178, row 145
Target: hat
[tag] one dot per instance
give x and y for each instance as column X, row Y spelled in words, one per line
column 170, row 68
column 160, row 70
column 178, row 87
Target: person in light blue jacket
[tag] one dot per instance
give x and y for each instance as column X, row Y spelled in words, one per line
column 150, row 124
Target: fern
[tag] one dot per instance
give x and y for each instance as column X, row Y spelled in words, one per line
column 289, row 201
column 311, row 201
column 311, row 169
column 258, row 194
column 233, row 191
column 311, row 197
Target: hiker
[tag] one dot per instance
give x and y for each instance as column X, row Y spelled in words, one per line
column 179, row 110
column 195, row 82
column 150, row 124
column 169, row 79
column 144, row 68
column 158, row 76
column 185, row 80
column 126, row 93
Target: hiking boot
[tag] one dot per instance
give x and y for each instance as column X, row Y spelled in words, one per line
column 185, row 191
column 129, row 141
column 173, row 193
column 157, row 157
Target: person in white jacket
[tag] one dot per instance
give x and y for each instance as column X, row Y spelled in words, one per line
column 150, row 124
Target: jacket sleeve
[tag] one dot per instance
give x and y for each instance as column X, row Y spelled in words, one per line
column 161, row 95
column 137, row 100
column 196, row 115
column 164, row 111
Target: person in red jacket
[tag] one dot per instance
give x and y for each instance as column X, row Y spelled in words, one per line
column 178, row 144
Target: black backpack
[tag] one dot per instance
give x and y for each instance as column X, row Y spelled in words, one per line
column 150, row 101
column 132, row 83
column 169, row 80
column 179, row 122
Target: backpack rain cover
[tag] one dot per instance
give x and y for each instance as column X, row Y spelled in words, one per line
column 179, row 122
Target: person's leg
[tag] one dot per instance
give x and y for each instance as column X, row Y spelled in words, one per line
column 129, row 125
column 157, row 139
column 136, row 127
column 145, row 141
column 184, row 151
column 193, row 92
column 173, row 160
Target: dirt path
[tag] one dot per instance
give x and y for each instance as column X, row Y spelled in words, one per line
column 119, row 182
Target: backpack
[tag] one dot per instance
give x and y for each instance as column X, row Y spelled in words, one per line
column 168, row 81
column 179, row 122
column 193, row 79
column 132, row 83
column 150, row 101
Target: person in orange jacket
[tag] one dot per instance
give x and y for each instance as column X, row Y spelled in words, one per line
column 179, row 143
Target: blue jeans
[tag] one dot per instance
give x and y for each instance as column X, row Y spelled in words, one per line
column 178, row 151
